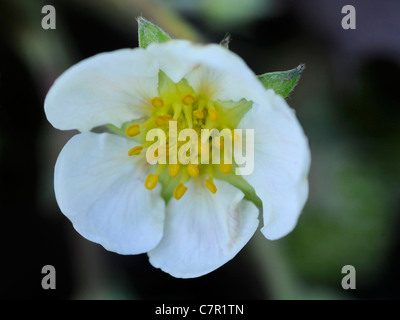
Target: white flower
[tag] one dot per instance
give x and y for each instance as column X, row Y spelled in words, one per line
column 189, row 219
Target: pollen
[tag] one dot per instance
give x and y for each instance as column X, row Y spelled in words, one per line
column 188, row 99
column 193, row 170
column 179, row 191
column 174, row 169
column 225, row 167
column 157, row 102
column 151, row 181
column 135, row 151
column 211, row 186
column 132, row 130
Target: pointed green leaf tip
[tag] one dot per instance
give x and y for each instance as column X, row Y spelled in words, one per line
column 283, row 82
column 225, row 41
column 149, row 33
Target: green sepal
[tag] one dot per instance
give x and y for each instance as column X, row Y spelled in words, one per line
column 225, row 41
column 283, row 82
column 238, row 182
column 149, row 33
column 171, row 90
column 230, row 113
column 168, row 184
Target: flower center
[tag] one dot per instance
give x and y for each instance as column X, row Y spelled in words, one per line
column 176, row 109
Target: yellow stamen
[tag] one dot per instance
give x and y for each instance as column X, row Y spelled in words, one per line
column 157, row 102
column 151, row 181
column 193, row 170
column 132, row 130
column 211, row 186
column 188, row 99
column 213, row 114
column 179, row 191
column 198, row 114
column 225, row 167
column 135, row 151
column 159, row 121
column 174, row 169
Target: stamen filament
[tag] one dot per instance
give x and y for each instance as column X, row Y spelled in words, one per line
column 187, row 110
column 201, row 105
column 177, row 110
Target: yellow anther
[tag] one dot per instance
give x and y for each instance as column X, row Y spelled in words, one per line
column 225, row 167
column 157, row 102
column 132, row 130
column 135, row 151
column 188, row 99
column 179, row 191
column 198, row 114
column 151, row 181
column 211, row 186
column 193, row 170
column 213, row 114
column 159, row 121
column 174, row 169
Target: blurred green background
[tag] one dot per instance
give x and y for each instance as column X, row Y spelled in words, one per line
column 346, row 101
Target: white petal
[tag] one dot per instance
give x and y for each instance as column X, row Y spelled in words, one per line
column 101, row 190
column 113, row 87
column 204, row 230
column 281, row 164
column 210, row 69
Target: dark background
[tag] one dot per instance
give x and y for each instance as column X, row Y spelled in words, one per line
column 347, row 102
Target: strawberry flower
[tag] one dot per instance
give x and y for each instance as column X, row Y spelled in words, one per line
column 190, row 218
